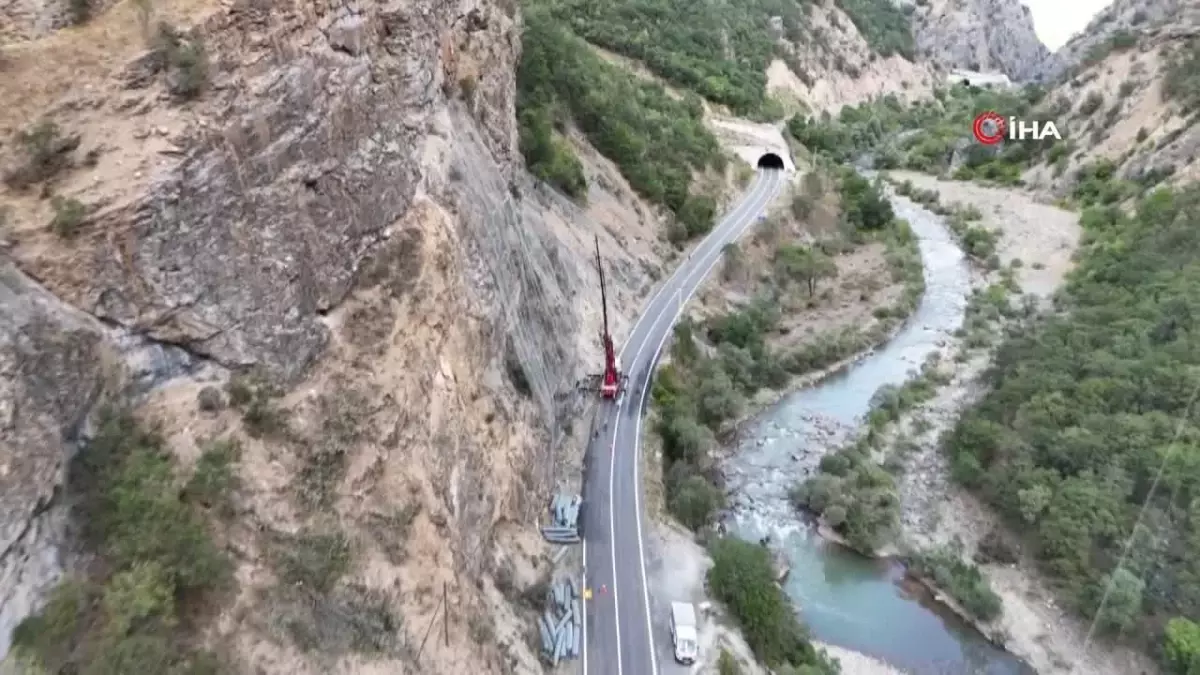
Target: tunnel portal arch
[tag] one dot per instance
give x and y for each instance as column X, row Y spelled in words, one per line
column 771, row 160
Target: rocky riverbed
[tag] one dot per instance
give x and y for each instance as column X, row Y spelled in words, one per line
column 785, row 443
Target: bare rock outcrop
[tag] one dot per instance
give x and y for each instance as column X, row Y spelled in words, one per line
column 1153, row 21
column 344, row 204
column 826, row 63
column 311, row 152
column 979, row 35
column 52, row 371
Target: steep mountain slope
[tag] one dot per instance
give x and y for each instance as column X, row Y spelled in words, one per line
column 1116, row 24
column 1127, row 106
column 307, row 232
column 333, row 199
column 979, row 35
column 833, row 57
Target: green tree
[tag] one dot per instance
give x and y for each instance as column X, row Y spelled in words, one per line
column 743, row 578
column 694, row 501
column 1033, row 501
column 727, row 664
column 1124, row 603
column 1182, row 646
column 804, row 265
column 142, row 593
column 685, row 438
column 718, row 398
column 864, row 203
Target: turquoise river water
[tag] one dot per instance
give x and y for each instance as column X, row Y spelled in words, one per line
column 846, row 599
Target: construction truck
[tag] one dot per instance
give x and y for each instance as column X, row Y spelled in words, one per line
column 684, row 632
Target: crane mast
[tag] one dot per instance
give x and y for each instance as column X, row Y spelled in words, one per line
column 610, row 384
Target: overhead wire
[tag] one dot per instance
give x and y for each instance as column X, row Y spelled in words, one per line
column 1127, row 547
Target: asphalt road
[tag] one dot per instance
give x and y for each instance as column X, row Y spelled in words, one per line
column 618, row 625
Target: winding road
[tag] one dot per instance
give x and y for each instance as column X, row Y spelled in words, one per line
column 619, row 630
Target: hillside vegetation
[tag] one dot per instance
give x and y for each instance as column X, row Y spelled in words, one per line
column 680, row 41
column 884, row 25
column 743, row 577
column 1092, row 416
column 929, row 135
column 935, row 137
column 656, row 137
column 156, row 562
column 1089, row 432
column 655, row 140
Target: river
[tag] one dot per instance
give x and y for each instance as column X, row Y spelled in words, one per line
column 846, row 599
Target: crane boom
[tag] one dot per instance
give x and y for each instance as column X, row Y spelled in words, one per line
column 603, row 290
column 611, row 381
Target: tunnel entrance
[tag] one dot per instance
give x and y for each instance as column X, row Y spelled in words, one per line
column 771, row 161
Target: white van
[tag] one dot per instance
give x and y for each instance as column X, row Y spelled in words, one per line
column 683, row 632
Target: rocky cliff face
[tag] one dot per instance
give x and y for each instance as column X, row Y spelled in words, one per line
column 979, row 35
column 52, row 371
column 829, row 64
column 259, row 228
column 1155, row 20
column 344, row 210
column 1120, row 90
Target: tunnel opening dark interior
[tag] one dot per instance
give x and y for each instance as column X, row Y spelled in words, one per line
column 770, row 161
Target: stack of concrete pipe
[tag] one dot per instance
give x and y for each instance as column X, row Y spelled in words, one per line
column 564, row 520
column 561, row 626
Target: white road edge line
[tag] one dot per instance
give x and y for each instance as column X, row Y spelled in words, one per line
column 750, row 199
column 637, row 438
column 732, row 218
column 677, row 271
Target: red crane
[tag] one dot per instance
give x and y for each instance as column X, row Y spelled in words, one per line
column 612, row 380
column 610, row 386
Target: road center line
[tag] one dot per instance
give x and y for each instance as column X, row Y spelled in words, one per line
column 749, row 202
column 739, row 230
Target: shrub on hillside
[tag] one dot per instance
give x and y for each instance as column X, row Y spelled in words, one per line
column 1182, row 80
column 864, row 203
column 884, row 25
column 156, row 562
